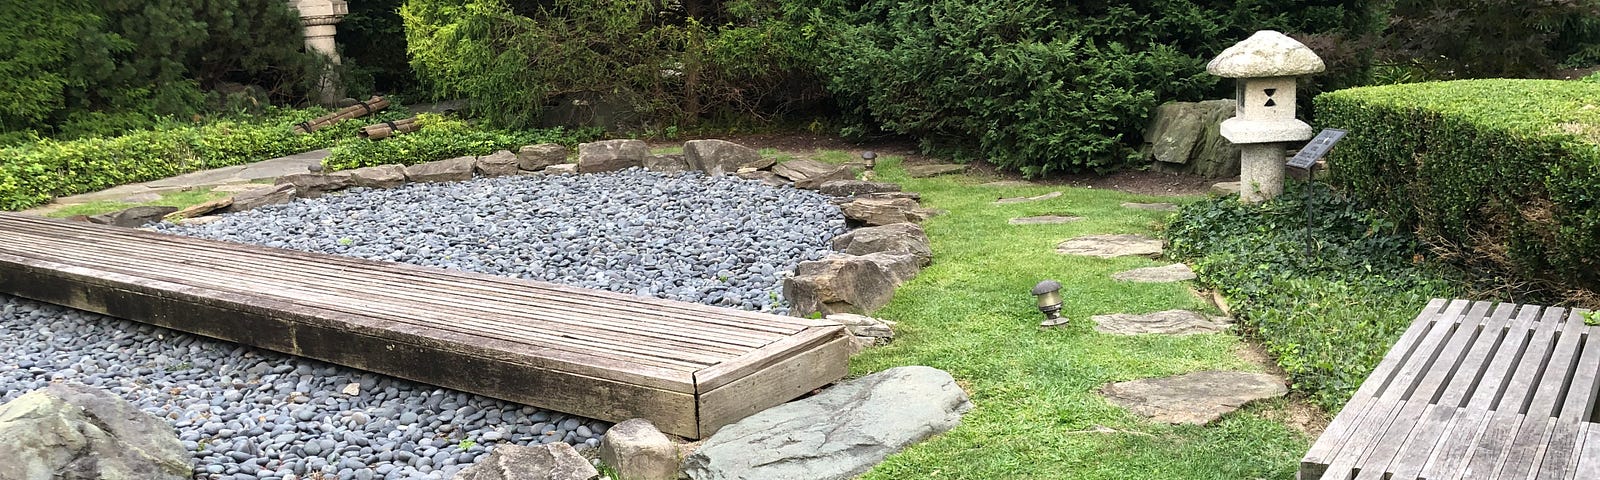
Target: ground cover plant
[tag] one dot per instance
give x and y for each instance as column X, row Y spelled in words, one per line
column 33, row 173
column 441, row 138
column 1501, row 177
column 1037, row 413
column 172, row 199
column 1327, row 314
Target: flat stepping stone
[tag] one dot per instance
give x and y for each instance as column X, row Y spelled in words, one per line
column 1009, row 184
column 1045, row 220
column 1160, row 207
column 1176, row 272
column 1008, row 201
column 1225, row 188
column 1195, row 398
column 1109, row 246
column 1170, row 322
column 924, row 171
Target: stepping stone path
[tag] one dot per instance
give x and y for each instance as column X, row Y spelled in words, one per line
column 1009, row 184
column 1008, row 201
column 1195, row 398
column 1160, row 207
column 1045, row 220
column 1109, row 246
column 924, row 171
column 1225, row 188
column 1176, row 272
column 1170, row 322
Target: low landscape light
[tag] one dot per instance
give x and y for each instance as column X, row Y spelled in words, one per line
column 870, row 158
column 1049, row 295
column 314, row 167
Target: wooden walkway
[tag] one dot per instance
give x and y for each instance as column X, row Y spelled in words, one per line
column 688, row 368
column 1473, row 391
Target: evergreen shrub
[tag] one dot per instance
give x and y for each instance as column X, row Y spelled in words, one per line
column 1500, row 176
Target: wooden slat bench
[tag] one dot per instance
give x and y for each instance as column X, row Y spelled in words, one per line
column 689, row 368
column 1473, row 390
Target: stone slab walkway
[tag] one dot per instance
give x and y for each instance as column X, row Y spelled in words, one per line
column 1197, row 398
column 1176, row 272
column 217, row 177
column 1108, row 246
column 1169, row 322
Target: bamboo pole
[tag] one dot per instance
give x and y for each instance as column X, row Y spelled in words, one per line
column 360, row 109
column 384, row 130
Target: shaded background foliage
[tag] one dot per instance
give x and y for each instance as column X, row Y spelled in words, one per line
column 89, row 67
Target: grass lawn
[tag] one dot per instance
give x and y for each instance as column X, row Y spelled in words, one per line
column 1037, row 413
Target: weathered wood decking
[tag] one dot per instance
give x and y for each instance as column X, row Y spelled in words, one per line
column 1473, row 391
column 688, row 368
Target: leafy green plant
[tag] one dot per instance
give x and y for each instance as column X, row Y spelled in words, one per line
column 1501, row 177
column 1328, row 316
column 34, row 172
column 441, row 138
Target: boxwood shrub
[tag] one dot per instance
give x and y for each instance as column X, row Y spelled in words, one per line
column 1502, row 176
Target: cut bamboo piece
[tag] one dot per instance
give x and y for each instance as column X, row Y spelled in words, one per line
column 384, row 130
column 360, row 109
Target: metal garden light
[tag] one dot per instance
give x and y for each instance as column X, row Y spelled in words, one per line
column 870, row 158
column 1049, row 294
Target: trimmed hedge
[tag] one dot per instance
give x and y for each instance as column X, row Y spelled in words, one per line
column 33, row 173
column 1502, row 176
column 441, row 138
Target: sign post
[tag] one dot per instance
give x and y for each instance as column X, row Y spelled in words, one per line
column 1306, row 160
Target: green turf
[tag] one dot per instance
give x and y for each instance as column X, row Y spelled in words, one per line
column 1037, row 412
column 174, row 199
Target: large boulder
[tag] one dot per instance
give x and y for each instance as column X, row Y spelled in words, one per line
column 899, row 238
column 837, row 434
column 534, row 158
column 1186, row 137
column 551, row 461
column 133, row 217
column 721, row 157
column 636, row 450
column 381, row 176
column 457, row 169
column 847, row 283
column 811, row 174
column 497, row 164
column 611, row 155
column 313, row 185
column 876, row 211
column 261, row 197
column 851, row 188
column 75, row 432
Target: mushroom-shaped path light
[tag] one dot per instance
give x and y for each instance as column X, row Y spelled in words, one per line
column 1049, row 295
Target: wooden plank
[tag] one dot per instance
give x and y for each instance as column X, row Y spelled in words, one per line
column 1588, row 466
column 624, row 302
column 716, row 376
column 314, row 298
column 1337, row 434
column 1494, row 447
column 1533, row 435
column 1460, row 442
column 1407, row 438
column 478, row 368
column 773, row 385
column 315, row 273
column 1561, row 456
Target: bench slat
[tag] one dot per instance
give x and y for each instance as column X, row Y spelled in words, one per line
column 1344, row 424
column 1534, row 435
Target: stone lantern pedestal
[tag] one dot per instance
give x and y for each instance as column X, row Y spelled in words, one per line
column 321, row 19
column 1266, row 66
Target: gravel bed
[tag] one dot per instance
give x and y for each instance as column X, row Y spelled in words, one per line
column 247, row 413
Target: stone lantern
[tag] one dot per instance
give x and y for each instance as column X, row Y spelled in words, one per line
column 1266, row 66
column 321, row 19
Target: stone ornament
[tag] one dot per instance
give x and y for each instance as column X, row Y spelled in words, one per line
column 1266, row 65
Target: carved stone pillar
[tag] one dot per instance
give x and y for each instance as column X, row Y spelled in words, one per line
column 321, row 19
